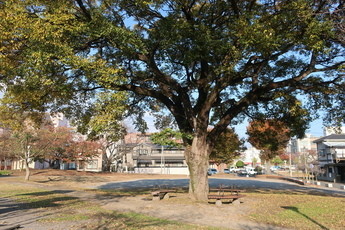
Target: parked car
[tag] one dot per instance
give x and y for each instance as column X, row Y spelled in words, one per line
column 242, row 172
column 234, row 169
column 247, row 171
column 211, row 171
column 251, row 171
column 226, row 171
column 273, row 168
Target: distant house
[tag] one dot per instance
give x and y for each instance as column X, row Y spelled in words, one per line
column 298, row 146
column 91, row 165
column 150, row 158
column 331, row 157
column 142, row 156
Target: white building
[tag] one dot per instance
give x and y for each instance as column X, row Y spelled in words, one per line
column 250, row 156
column 57, row 120
column 297, row 146
column 331, row 156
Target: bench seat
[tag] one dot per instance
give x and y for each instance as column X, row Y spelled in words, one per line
column 234, row 197
column 156, row 193
column 218, row 197
column 160, row 194
column 227, row 190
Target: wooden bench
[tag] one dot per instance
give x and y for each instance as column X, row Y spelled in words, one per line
column 231, row 190
column 161, row 192
column 233, row 198
column 231, row 194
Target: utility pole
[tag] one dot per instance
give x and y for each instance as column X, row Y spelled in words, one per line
column 290, row 152
column 290, row 170
column 162, row 160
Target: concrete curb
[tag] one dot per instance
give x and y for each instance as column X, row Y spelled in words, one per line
column 305, row 182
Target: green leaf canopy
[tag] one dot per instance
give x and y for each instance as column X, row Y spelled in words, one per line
column 205, row 61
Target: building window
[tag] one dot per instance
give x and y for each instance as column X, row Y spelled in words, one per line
column 92, row 164
column 143, row 164
column 322, row 152
column 170, row 163
column 142, row 151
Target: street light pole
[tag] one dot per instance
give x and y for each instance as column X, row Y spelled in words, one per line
column 305, row 163
column 305, row 160
column 162, row 161
column 289, row 149
column 290, row 170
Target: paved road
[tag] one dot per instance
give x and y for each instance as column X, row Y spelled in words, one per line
column 239, row 182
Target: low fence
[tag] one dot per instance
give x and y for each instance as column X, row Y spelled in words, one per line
column 159, row 170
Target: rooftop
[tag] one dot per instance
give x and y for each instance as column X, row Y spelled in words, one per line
column 332, row 137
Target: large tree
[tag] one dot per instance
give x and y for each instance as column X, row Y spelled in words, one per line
column 204, row 61
column 104, row 122
column 55, row 143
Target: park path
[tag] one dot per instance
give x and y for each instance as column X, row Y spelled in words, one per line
column 226, row 216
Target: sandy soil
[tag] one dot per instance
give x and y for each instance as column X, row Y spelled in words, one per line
column 179, row 207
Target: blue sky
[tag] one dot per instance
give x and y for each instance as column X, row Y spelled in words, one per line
column 316, row 127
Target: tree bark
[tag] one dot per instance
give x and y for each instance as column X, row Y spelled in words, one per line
column 268, row 167
column 197, row 157
column 27, row 170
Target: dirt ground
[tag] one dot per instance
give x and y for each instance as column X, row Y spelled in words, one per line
column 179, row 207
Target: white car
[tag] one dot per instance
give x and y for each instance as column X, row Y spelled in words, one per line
column 273, row 168
column 248, row 172
column 251, row 171
column 234, row 169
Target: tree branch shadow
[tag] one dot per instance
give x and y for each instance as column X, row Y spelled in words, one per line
column 294, row 209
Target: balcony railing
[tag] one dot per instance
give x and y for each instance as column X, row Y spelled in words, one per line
column 339, row 157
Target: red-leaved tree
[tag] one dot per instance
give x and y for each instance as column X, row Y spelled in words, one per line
column 270, row 136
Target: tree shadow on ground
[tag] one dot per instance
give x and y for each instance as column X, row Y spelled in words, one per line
column 32, row 202
column 252, row 185
column 78, row 179
column 295, row 209
column 117, row 220
column 40, row 199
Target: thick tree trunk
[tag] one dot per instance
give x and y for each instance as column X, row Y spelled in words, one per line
column 27, row 170
column 268, row 167
column 51, row 163
column 197, row 157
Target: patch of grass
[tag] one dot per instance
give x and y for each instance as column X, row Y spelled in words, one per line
column 13, row 190
column 5, row 172
column 116, row 220
column 37, row 198
column 56, row 207
column 299, row 211
column 114, row 193
column 66, row 217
